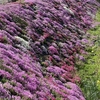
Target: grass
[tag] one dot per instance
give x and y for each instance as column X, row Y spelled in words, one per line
column 95, row 30
column 90, row 70
column 97, row 18
column 90, row 75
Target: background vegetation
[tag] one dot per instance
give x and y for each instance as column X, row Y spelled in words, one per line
column 90, row 71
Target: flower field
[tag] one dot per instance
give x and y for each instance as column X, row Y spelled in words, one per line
column 41, row 42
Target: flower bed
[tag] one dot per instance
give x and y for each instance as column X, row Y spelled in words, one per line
column 39, row 45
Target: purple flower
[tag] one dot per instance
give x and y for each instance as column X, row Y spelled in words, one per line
column 52, row 50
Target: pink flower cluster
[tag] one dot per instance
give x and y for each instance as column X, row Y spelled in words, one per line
column 39, row 44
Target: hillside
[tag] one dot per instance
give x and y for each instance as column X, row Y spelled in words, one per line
column 40, row 43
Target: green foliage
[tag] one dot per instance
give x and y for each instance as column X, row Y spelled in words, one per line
column 98, row 16
column 95, row 30
column 19, row 21
column 5, row 40
column 2, row 67
column 56, row 95
column 90, row 89
column 4, row 80
column 12, row 91
column 58, row 98
column 90, row 75
column 90, row 70
column 13, row 83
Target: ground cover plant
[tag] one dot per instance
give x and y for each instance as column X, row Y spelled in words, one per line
column 90, row 72
column 40, row 42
